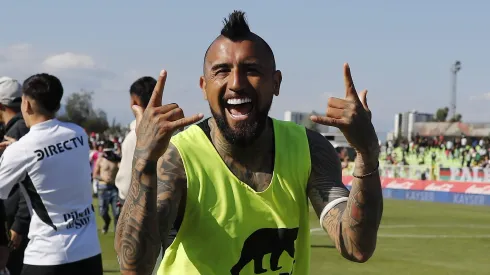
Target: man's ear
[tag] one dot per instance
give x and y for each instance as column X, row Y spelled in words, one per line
column 133, row 102
column 29, row 107
column 277, row 82
column 202, row 84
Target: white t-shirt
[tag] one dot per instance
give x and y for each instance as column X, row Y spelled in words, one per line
column 123, row 177
column 51, row 163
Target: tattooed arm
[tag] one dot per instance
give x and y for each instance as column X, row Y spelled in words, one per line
column 171, row 189
column 149, row 211
column 354, row 217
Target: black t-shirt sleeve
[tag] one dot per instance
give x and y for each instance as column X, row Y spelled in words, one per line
column 22, row 216
column 18, row 130
column 12, row 168
column 3, row 226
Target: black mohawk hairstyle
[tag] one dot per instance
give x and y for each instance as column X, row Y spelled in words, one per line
column 235, row 29
column 235, row 26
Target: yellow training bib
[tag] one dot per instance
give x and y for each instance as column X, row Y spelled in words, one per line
column 228, row 228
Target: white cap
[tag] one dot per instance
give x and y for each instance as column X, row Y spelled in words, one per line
column 10, row 92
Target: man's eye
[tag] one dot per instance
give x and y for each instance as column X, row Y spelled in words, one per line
column 221, row 71
column 253, row 71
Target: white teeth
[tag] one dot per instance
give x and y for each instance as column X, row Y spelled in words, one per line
column 238, row 101
column 238, row 116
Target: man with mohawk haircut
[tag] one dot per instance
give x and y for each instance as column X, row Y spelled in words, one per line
column 237, row 184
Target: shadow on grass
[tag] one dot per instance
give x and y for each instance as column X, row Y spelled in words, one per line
column 111, row 271
column 322, row 246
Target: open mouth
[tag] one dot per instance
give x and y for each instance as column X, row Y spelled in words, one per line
column 239, row 108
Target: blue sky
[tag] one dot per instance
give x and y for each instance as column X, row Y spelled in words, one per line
column 401, row 51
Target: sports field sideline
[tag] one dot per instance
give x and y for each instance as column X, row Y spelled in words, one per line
column 415, row 238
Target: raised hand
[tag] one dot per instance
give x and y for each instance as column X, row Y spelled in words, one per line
column 352, row 116
column 156, row 124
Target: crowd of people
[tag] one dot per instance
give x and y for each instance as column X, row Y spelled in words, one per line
column 427, row 155
column 440, row 151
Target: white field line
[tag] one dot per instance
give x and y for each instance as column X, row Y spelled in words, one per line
column 474, row 226
column 319, row 231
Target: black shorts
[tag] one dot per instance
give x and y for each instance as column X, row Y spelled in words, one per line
column 92, row 266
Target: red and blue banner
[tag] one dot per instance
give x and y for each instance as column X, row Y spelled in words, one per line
column 469, row 193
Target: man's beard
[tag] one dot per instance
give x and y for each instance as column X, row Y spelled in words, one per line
column 246, row 132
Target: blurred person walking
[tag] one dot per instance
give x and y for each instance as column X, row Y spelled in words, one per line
column 96, row 148
column 105, row 171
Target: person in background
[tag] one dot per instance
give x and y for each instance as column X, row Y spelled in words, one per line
column 485, row 162
column 51, row 164
column 93, row 182
column 4, row 250
column 95, row 151
column 139, row 93
column 105, row 171
column 117, row 146
column 16, row 210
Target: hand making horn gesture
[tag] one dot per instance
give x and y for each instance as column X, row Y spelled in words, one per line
column 156, row 124
column 352, row 116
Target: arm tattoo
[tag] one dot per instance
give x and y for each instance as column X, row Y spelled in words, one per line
column 147, row 213
column 136, row 234
column 352, row 226
column 325, row 182
column 172, row 184
column 361, row 219
column 332, row 222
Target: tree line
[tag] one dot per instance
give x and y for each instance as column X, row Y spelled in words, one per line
column 79, row 109
column 442, row 113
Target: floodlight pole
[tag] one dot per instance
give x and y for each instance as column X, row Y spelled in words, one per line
column 455, row 68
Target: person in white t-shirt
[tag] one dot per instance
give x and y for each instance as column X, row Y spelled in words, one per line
column 140, row 93
column 51, row 164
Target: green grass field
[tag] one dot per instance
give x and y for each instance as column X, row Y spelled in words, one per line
column 415, row 238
